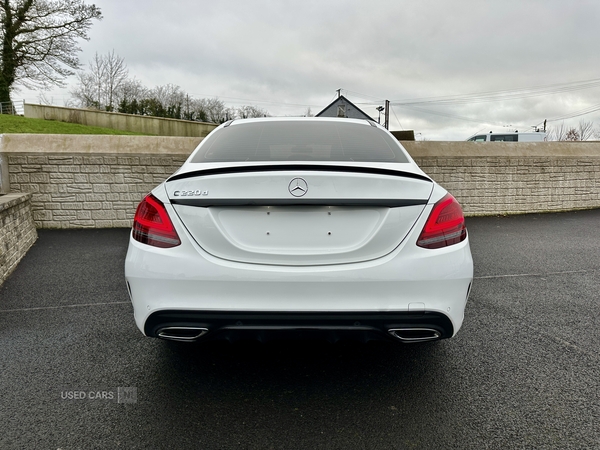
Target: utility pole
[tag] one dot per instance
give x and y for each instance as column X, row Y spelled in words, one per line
column 386, row 119
column 379, row 108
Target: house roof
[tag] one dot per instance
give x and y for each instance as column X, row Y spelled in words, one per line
column 341, row 99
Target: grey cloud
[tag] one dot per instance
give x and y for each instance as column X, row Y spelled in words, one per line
column 300, row 52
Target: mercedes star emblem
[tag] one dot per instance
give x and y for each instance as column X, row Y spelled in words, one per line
column 298, row 187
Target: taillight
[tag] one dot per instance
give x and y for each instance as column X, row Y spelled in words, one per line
column 152, row 225
column 445, row 225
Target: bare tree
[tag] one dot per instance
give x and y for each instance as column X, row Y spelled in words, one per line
column 90, row 84
column 216, row 111
column 105, row 85
column 249, row 112
column 131, row 89
column 585, row 130
column 169, row 100
column 100, row 86
column 168, row 95
column 39, row 41
column 572, row 135
column 198, row 110
column 43, row 100
column 116, row 74
column 557, row 133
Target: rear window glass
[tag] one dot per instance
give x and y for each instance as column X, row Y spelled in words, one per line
column 300, row 141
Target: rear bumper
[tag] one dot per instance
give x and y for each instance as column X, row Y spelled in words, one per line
column 404, row 327
column 185, row 286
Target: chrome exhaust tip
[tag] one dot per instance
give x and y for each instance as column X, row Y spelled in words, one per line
column 412, row 335
column 183, row 334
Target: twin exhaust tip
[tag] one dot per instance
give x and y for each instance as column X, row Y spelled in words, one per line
column 411, row 335
column 406, row 335
column 185, row 334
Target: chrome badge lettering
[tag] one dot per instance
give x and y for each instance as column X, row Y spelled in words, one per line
column 196, row 193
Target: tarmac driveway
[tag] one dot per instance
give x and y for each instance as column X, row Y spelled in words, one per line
column 524, row 371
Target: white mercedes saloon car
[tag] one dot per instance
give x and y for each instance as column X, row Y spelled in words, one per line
column 299, row 227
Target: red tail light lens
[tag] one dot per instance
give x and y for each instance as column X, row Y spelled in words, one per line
column 152, row 225
column 445, row 225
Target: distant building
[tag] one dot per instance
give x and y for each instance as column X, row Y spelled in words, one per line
column 342, row 107
column 405, row 135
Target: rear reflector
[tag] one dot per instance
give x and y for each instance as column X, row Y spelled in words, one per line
column 445, row 225
column 152, row 225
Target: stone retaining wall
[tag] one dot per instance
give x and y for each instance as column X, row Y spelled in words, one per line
column 17, row 231
column 97, row 181
column 85, row 191
column 514, row 178
column 90, row 181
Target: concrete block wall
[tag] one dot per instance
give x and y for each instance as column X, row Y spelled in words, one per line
column 97, row 181
column 87, row 191
column 514, row 178
column 77, row 185
column 17, row 231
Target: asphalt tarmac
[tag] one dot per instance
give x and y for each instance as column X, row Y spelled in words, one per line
column 523, row 372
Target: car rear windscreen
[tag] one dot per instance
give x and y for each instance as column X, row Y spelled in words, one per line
column 300, row 141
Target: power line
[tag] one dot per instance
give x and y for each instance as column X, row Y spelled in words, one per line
column 437, row 113
column 452, row 116
column 398, row 120
column 366, row 96
column 492, row 96
column 502, row 95
column 250, row 101
column 573, row 114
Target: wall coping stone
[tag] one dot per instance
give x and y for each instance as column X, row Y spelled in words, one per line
column 119, row 144
column 8, row 201
column 462, row 149
column 94, row 144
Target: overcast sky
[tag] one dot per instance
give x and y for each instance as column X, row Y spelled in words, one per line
column 286, row 56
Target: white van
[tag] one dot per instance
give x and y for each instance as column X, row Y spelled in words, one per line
column 538, row 136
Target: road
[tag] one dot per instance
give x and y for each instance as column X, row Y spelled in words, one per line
column 524, row 371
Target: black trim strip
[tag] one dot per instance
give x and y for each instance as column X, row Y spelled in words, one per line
column 207, row 202
column 298, row 167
